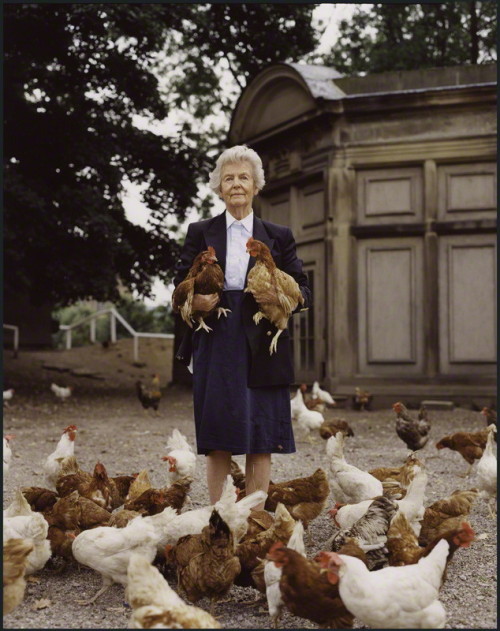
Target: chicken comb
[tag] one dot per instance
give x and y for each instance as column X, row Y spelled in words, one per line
column 211, row 249
column 70, row 428
column 250, row 241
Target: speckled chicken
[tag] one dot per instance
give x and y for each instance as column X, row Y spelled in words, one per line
column 370, row 532
column 100, row 488
column 413, row 432
column 153, row 501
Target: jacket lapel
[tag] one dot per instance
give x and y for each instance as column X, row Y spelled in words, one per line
column 259, row 233
column 216, row 235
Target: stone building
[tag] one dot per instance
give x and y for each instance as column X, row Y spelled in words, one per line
column 388, row 182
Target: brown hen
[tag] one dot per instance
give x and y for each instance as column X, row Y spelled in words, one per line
column 206, row 563
column 470, row 445
column 265, row 276
column 306, row 591
column 205, row 277
column 446, row 514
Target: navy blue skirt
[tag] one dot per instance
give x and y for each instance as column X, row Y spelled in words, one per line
column 230, row 416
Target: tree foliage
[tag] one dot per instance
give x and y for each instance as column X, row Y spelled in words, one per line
column 414, row 36
column 85, row 88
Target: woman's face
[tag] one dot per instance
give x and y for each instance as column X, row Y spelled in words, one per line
column 237, row 184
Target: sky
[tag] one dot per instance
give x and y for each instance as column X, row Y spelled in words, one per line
column 138, row 213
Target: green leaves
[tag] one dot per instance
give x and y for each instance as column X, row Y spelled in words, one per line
column 78, row 77
column 411, row 36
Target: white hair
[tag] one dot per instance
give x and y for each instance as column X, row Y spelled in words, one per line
column 238, row 153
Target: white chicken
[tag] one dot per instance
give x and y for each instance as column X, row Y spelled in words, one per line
column 272, row 574
column 235, row 514
column 61, row 392
column 7, row 396
column 307, row 420
column 318, row 393
column 156, row 605
column 65, row 447
column 403, row 597
column 412, row 504
column 18, row 507
column 349, row 484
column 487, row 472
column 181, row 458
column 346, row 515
column 107, row 550
column 296, row 404
column 7, row 452
column 20, row 522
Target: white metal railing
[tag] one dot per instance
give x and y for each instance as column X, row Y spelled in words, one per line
column 113, row 317
column 14, row 328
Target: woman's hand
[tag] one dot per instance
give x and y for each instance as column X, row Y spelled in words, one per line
column 205, row 302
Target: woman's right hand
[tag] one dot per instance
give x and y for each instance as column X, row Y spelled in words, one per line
column 205, row 302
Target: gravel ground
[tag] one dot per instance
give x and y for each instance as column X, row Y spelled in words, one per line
column 115, row 429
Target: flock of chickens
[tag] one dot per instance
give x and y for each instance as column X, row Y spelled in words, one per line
column 385, row 563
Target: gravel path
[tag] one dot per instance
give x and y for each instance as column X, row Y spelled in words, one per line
column 114, row 428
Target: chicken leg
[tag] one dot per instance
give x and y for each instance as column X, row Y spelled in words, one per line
column 467, row 472
column 222, row 311
column 274, row 342
column 202, row 325
column 106, row 584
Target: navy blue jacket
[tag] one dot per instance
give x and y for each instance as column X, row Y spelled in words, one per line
column 264, row 369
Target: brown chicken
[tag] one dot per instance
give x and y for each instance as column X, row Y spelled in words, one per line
column 361, row 400
column 140, row 484
column 15, row 559
column 239, row 478
column 238, row 475
column 121, row 518
column 446, row 514
column 149, row 397
column 61, row 542
column 265, row 276
column 396, row 480
column 251, row 551
column 205, row 277
column 38, row 498
column 75, row 512
column 100, row 488
column 306, row 591
column 470, row 445
column 153, row 501
column 331, row 426
column 206, row 563
column 304, row 498
column 122, row 484
column 403, row 544
column 65, row 514
column 258, row 521
column 312, row 402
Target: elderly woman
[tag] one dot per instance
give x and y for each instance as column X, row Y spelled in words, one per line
column 241, row 392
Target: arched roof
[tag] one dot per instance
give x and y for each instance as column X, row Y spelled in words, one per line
column 279, row 94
